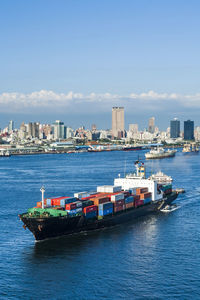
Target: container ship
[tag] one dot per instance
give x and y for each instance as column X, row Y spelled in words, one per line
column 160, row 153
column 129, row 198
column 132, row 148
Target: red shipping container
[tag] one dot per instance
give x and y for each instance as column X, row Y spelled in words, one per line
column 90, row 209
column 139, row 203
column 118, row 208
column 56, row 201
column 70, row 206
column 145, row 196
column 141, row 191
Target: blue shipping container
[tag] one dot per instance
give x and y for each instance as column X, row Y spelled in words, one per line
column 91, row 214
column 106, row 212
column 129, row 199
column 72, row 212
column 70, row 200
column 105, row 205
column 147, row 200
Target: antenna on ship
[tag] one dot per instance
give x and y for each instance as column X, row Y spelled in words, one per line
column 42, row 190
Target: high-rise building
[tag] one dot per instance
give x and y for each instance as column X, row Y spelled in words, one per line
column 174, row 128
column 11, row 126
column 22, row 131
column 118, row 122
column 59, row 130
column 151, row 128
column 189, row 130
column 33, row 130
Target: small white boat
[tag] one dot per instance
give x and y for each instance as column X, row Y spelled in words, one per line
column 170, row 208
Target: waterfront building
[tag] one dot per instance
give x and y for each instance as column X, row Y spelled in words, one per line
column 151, row 128
column 189, row 130
column 174, row 128
column 118, row 122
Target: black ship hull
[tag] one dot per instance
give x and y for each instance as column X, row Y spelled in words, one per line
column 46, row 228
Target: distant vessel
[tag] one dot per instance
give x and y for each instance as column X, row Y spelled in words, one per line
column 160, row 153
column 4, row 153
column 132, row 148
column 192, row 147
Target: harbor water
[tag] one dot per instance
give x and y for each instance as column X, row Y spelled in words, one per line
column 155, row 257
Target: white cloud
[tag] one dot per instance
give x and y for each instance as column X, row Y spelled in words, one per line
column 50, row 99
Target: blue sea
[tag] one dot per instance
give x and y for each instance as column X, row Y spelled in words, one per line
column 156, row 257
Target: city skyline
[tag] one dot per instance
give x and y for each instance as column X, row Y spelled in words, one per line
column 117, row 128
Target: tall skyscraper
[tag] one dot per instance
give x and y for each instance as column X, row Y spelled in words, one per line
column 118, row 122
column 174, row 128
column 189, row 130
column 151, row 128
column 59, row 130
column 33, row 129
column 10, row 126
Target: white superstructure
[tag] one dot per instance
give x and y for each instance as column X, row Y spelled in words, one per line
column 139, row 180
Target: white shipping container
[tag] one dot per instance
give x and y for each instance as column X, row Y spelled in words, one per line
column 101, row 189
column 112, row 189
column 108, row 189
column 117, row 197
column 81, row 195
column 79, row 210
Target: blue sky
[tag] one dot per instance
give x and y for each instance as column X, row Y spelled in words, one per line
column 94, row 54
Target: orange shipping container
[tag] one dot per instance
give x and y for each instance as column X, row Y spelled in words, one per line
column 141, row 191
column 129, row 205
column 101, row 200
column 145, row 196
column 39, row 204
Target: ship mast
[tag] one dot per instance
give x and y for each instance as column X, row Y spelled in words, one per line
column 42, row 190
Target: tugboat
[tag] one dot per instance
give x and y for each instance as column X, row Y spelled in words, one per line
column 129, row 198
